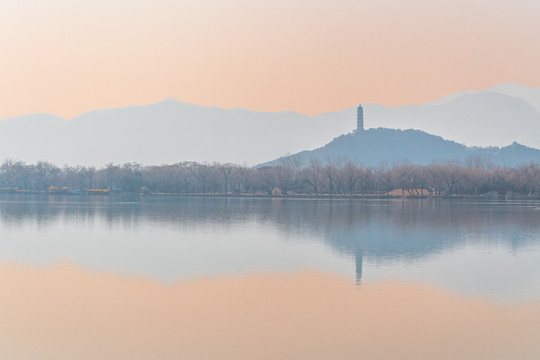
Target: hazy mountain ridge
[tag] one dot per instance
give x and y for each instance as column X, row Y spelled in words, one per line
column 374, row 147
column 167, row 132
column 171, row 131
column 527, row 93
column 481, row 119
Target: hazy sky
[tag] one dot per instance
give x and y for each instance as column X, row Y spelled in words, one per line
column 66, row 57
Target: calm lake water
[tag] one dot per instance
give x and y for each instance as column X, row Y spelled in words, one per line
column 428, row 261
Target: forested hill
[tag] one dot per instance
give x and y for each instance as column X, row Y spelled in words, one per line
column 377, row 146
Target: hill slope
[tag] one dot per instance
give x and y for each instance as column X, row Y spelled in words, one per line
column 478, row 119
column 374, row 147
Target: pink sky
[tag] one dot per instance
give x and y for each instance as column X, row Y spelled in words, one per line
column 65, row 57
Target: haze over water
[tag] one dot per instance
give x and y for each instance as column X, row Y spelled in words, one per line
column 132, row 277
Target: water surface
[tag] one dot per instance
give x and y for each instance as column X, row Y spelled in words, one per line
column 247, row 278
column 475, row 248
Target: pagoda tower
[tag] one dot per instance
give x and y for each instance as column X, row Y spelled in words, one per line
column 359, row 118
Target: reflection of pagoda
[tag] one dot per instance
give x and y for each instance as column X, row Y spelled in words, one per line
column 359, row 118
column 359, row 256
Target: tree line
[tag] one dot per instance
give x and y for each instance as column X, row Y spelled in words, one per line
column 288, row 176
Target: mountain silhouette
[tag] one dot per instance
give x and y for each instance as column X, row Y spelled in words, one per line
column 171, row 131
column 167, row 132
column 374, row 147
column 481, row 119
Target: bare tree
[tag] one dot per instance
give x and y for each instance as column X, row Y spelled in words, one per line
column 267, row 178
column 314, row 175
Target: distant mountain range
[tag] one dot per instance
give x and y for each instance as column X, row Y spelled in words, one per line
column 374, row 147
column 527, row 93
column 494, row 117
column 167, row 132
column 171, row 131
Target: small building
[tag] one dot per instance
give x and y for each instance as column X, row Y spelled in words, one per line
column 410, row 192
column 99, row 192
column 502, row 187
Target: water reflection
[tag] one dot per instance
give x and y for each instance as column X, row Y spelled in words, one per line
column 64, row 312
column 182, row 237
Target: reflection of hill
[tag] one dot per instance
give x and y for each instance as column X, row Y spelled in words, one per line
column 394, row 229
column 382, row 230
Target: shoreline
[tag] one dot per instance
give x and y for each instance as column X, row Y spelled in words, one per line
column 274, row 196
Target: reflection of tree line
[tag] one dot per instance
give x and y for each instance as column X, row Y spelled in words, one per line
column 388, row 227
column 379, row 229
column 290, row 175
column 392, row 229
